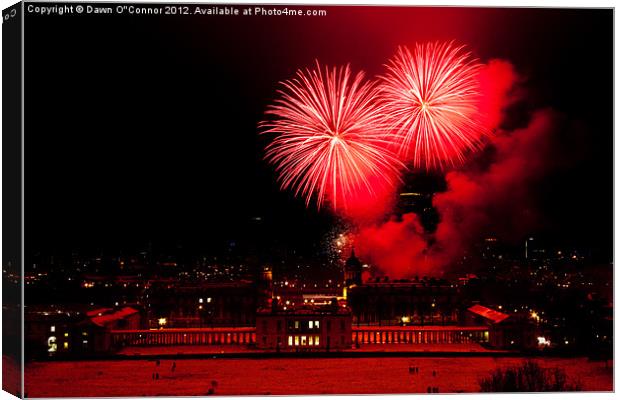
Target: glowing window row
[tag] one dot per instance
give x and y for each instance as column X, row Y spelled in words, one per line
column 311, row 324
column 303, row 340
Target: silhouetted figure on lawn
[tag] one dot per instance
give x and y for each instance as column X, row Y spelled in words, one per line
column 212, row 388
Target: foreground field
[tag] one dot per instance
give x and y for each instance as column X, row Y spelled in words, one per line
column 285, row 376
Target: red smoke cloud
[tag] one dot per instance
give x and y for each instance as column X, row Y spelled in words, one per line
column 496, row 199
column 498, row 81
column 499, row 199
column 366, row 208
column 397, row 247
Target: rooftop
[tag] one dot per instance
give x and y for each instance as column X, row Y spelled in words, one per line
column 101, row 320
column 490, row 314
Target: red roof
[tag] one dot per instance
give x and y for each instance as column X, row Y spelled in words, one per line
column 120, row 314
column 490, row 314
column 95, row 312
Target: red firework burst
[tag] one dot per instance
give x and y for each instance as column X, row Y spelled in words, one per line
column 431, row 100
column 329, row 141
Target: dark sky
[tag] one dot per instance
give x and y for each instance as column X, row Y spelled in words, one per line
column 143, row 128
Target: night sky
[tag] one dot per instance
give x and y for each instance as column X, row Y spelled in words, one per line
column 143, row 128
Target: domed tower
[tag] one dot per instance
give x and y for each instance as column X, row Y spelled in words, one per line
column 352, row 270
column 265, row 286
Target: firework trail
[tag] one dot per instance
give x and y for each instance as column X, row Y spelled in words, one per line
column 431, row 99
column 329, row 140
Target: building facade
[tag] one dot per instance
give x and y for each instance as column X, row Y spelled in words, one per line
column 306, row 328
column 404, row 302
column 70, row 331
column 505, row 331
column 202, row 305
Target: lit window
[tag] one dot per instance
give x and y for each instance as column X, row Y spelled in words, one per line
column 296, row 324
column 290, row 340
column 51, row 344
column 310, row 324
column 208, row 299
column 310, row 340
column 316, row 324
column 303, row 341
column 65, row 345
column 66, row 334
column 52, row 328
column 316, row 340
column 296, row 340
column 200, row 300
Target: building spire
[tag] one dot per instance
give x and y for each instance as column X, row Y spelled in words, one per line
column 353, row 270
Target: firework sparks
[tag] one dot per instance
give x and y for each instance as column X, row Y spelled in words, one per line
column 338, row 242
column 329, row 140
column 431, row 104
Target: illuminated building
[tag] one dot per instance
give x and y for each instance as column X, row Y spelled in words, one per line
column 223, row 304
column 265, row 285
column 505, row 331
column 304, row 328
column 53, row 331
column 395, row 335
column 397, row 302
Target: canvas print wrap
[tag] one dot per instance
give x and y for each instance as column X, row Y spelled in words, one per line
column 307, row 199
